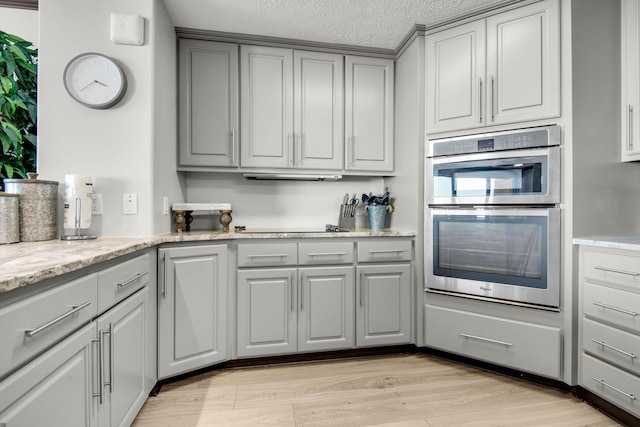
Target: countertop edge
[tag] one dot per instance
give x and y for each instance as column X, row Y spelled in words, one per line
column 626, row 243
column 27, row 263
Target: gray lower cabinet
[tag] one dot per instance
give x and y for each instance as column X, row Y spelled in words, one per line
column 100, row 374
column 384, row 305
column 192, row 298
column 289, row 310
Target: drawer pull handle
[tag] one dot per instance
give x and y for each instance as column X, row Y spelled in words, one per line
column 327, row 254
column 604, row 344
column 74, row 309
column 474, row 337
column 621, row 310
column 613, row 270
column 269, row 256
column 386, row 251
column 604, row 383
column 133, row 279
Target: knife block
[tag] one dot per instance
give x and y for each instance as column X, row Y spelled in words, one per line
column 347, row 218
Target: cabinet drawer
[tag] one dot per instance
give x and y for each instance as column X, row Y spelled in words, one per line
column 384, row 250
column 616, row 386
column 120, row 281
column 325, row 253
column 34, row 324
column 613, row 268
column 518, row 345
column 612, row 306
column 266, row 254
column 613, row 345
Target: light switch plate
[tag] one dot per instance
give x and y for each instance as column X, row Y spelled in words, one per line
column 127, row 29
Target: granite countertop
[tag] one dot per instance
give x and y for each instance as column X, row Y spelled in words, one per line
column 628, row 243
column 25, row 263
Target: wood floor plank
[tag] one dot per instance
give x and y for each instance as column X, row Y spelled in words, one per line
column 400, row 391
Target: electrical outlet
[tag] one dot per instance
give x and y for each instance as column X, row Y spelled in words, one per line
column 96, row 204
column 130, row 204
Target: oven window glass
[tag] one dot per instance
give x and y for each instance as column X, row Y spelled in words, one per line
column 499, row 249
column 494, row 177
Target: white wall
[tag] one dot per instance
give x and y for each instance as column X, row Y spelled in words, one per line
column 114, row 146
column 20, row 22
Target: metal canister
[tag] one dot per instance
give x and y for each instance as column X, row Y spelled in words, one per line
column 9, row 219
column 38, row 207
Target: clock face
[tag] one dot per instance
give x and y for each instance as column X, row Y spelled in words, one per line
column 95, row 80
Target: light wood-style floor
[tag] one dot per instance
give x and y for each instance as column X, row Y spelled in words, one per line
column 397, row 390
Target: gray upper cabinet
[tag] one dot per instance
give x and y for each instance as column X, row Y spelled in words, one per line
column 630, row 67
column 499, row 70
column 291, row 109
column 369, row 114
column 208, row 104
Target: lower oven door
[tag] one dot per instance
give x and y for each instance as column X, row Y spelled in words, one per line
column 510, row 254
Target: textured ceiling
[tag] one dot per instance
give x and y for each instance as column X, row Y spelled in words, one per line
column 370, row 23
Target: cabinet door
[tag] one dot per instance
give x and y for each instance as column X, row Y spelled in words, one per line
column 384, row 305
column 55, row 389
column 326, row 308
column 208, row 103
column 318, row 112
column 523, row 64
column 192, row 303
column 455, row 78
column 122, row 332
column 266, row 76
column 630, row 49
column 266, row 316
column 369, row 113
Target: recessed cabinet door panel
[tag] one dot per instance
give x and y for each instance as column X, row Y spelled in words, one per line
column 192, row 308
column 55, row 389
column 326, row 314
column 267, row 106
column 384, row 305
column 369, row 113
column 267, row 316
column 630, row 106
column 208, row 103
column 455, row 78
column 318, row 110
column 523, row 63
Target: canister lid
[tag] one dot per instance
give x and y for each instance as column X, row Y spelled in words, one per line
column 32, row 178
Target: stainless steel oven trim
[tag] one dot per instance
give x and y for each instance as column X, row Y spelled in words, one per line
column 553, row 179
column 508, row 294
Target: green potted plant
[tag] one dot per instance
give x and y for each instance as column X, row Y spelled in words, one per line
column 18, row 106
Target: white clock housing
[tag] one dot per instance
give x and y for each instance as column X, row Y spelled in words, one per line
column 95, row 80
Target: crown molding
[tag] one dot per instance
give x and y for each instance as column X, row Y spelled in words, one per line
column 20, row 4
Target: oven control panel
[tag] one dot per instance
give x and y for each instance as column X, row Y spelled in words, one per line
column 497, row 141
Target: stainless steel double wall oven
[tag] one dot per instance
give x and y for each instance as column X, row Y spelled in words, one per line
column 492, row 216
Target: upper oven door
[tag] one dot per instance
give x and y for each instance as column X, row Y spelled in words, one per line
column 513, row 177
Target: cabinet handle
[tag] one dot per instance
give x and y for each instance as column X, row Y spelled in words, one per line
column 613, row 270
column 620, row 310
column 111, row 353
column 293, row 305
column 133, row 279
column 327, row 253
column 361, row 287
column 630, row 127
column 474, row 337
column 492, row 100
column 74, row 309
column 301, row 286
column 604, row 383
column 604, row 344
column 164, row 276
column 233, row 146
column 268, row 256
column 480, row 100
column 100, row 363
column 386, row 251
column 291, row 159
column 352, row 148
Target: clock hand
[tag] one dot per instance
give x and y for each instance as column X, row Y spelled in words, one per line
column 91, row 84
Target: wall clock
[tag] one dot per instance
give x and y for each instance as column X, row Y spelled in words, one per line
column 95, row 80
